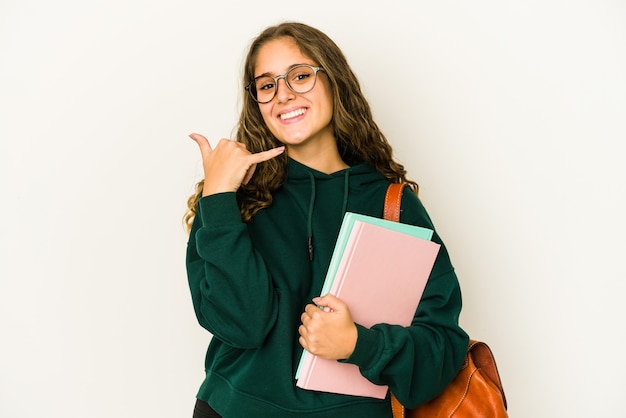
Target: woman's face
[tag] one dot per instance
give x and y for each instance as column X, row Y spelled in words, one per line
column 300, row 121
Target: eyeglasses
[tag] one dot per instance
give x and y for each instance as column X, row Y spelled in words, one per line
column 300, row 79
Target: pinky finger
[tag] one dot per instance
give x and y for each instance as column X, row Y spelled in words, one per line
column 268, row 155
column 302, row 342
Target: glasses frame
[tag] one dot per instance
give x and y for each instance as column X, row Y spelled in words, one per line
column 250, row 87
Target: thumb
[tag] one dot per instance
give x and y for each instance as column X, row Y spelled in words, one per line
column 203, row 143
column 331, row 302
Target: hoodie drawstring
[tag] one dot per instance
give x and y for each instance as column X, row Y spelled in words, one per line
column 309, row 226
column 344, row 207
column 346, row 185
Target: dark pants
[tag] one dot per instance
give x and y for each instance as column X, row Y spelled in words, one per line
column 203, row 410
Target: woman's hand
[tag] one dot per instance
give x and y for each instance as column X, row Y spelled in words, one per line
column 329, row 332
column 229, row 165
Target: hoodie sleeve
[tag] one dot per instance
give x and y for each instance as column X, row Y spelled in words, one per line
column 417, row 362
column 232, row 293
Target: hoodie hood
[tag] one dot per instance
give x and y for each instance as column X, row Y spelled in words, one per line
column 360, row 175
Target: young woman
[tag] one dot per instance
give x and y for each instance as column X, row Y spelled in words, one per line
column 263, row 225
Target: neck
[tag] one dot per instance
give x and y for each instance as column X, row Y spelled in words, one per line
column 322, row 158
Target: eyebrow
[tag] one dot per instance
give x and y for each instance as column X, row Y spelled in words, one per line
column 286, row 71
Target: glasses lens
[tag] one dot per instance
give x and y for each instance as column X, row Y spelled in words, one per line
column 301, row 79
column 263, row 89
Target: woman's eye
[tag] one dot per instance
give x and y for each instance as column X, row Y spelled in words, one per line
column 265, row 86
column 300, row 77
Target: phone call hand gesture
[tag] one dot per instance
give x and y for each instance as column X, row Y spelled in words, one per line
column 229, row 164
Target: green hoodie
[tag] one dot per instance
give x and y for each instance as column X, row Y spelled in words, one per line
column 251, row 281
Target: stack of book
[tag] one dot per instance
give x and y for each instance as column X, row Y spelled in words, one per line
column 379, row 268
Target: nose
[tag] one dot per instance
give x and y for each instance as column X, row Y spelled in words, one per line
column 283, row 93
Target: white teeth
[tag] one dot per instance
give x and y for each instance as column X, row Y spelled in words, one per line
column 293, row 114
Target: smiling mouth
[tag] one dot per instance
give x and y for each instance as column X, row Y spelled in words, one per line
column 292, row 114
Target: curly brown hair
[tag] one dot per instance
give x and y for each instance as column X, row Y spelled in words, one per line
column 358, row 137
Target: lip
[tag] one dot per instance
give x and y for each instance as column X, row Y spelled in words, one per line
column 301, row 111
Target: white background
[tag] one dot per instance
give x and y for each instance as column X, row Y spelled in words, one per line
column 510, row 114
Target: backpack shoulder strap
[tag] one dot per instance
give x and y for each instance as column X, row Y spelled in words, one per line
column 393, row 200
